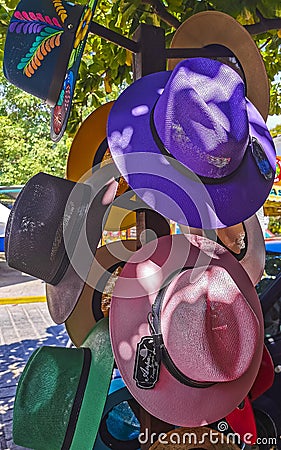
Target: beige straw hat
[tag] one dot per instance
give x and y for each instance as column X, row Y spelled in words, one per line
column 214, row 27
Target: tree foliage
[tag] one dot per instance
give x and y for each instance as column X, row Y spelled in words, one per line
column 106, row 68
column 276, row 131
column 25, row 145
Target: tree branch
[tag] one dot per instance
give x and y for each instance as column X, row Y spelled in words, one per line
column 262, row 26
column 161, row 11
column 265, row 43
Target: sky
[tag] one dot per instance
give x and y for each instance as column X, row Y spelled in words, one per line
column 272, row 121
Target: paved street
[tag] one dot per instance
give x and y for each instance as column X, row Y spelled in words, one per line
column 24, row 328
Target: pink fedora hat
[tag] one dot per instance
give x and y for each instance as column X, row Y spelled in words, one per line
column 186, row 329
column 244, row 240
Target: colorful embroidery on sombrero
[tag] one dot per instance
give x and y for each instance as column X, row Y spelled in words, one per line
column 48, row 32
column 67, row 89
column 61, row 12
column 61, row 108
column 81, row 34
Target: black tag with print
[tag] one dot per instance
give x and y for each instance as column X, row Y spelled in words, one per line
column 146, row 370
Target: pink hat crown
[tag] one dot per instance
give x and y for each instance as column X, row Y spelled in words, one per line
column 197, row 329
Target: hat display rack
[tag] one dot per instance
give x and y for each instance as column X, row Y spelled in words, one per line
column 150, row 55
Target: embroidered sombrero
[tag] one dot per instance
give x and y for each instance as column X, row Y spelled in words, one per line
column 62, row 392
column 192, row 146
column 43, row 50
column 215, row 27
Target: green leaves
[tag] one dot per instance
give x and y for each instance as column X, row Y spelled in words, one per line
column 269, row 8
column 25, row 145
column 106, row 68
column 10, row 3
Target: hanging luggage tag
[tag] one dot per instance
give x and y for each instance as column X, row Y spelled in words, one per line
column 146, row 370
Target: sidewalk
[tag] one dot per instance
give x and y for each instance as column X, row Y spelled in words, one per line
column 16, row 284
column 24, row 327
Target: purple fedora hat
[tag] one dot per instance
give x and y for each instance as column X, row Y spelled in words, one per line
column 192, row 145
column 43, row 50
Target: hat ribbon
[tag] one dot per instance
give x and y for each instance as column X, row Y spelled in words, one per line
column 78, row 399
column 254, row 146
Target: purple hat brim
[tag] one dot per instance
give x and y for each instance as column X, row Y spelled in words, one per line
column 184, row 199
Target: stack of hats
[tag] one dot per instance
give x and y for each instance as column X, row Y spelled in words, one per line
column 185, row 326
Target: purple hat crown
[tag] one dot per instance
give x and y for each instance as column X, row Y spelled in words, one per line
column 201, row 117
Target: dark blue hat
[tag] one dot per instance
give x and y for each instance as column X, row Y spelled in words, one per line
column 43, row 50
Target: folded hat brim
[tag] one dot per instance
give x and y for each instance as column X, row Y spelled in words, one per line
column 61, row 111
column 181, row 197
column 170, row 400
column 107, row 259
column 215, row 27
column 63, row 296
column 255, row 248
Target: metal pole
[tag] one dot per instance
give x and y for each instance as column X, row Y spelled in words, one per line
column 151, row 58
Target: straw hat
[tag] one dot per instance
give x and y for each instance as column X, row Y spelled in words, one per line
column 215, row 27
column 89, row 148
column 53, row 233
column 195, row 165
column 62, row 393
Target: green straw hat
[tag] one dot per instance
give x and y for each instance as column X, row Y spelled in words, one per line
column 62, row 392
